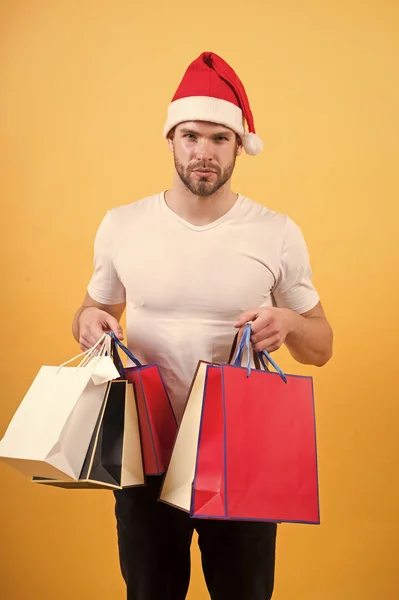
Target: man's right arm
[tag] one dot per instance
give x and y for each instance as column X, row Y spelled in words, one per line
column 92, row 319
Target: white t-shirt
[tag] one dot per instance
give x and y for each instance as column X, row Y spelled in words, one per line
column 186, row 285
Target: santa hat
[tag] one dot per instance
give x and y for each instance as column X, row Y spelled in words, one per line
column 211, row 91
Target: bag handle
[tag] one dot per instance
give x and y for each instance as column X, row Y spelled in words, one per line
column 128, row 353
column 245, row 342
column 97, row 353
column 87, row 354
column 256, row 358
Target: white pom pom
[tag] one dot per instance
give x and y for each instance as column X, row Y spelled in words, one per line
column 252, row 143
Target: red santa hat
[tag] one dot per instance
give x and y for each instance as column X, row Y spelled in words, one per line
column 211, row 91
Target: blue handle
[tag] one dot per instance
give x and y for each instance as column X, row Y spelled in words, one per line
column 271, row 361
column 245, row 342
column 125, row 350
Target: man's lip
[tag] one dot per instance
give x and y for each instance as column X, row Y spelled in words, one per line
column 204, row 171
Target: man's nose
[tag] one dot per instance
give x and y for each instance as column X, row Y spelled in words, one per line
column 204, row 150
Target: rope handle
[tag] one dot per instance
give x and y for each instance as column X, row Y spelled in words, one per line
column 245, row 343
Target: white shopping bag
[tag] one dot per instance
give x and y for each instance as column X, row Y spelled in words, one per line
column 51, row 430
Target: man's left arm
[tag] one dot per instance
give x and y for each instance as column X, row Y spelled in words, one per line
column 296, row 318
column 308, row 336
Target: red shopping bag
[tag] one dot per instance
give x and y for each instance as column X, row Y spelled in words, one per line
column 256, row 456
column 157, row 421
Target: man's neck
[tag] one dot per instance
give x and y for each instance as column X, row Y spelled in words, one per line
column 200, row 210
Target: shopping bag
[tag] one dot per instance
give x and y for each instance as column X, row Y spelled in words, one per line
column 114, row 459
column 158, row 424
column 51, row 430
column 256, row 456
column 246, row 447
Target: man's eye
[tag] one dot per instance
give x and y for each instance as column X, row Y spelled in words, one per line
column 221, row 138
column 190, row 136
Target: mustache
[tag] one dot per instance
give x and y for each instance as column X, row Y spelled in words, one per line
column 205, row 166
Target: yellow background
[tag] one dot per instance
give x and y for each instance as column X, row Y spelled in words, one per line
column 84, row 91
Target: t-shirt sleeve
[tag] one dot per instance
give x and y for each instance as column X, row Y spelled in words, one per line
column 105, row 285
column 294, row 288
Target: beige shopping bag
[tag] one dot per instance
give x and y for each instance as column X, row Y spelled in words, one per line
column 177, row 485
column 51, row 430
column 114, row 458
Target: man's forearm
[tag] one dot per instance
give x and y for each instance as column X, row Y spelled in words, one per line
column 310, row 339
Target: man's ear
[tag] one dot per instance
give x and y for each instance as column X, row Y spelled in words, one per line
column 239, row 146
column 171, row 139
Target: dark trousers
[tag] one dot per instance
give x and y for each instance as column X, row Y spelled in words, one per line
column 154, row 549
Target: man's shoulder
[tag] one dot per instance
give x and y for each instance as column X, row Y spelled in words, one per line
column 266, row 221
column 261, row 214
column 143, row 207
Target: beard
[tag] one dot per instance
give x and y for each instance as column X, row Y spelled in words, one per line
column 202, row 186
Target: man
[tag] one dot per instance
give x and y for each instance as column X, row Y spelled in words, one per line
column 192, row 265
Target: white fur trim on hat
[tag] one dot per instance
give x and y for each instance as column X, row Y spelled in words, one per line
column 204, row 108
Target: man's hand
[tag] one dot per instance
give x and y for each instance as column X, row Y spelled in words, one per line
column 93, row 322
column 270, row 327
column 308, row 336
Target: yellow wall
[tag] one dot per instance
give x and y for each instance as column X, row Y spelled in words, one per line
column 84, row 90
